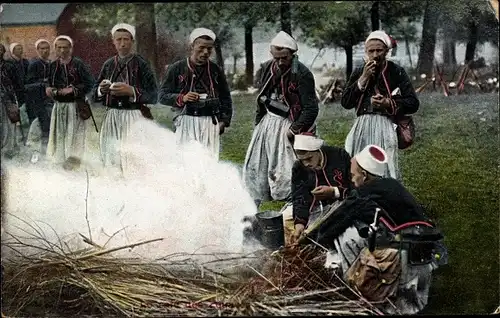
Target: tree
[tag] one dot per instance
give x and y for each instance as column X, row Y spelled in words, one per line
column 375, row 15
column 334, row 24
column 470, row 22
column 286, row 17
column 101, row 17
column 428, row 41
column 398, row 19
column 249, row 15
column 216, row 16
column 145, row 18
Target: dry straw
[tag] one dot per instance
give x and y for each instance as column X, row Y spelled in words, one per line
column 93, row 282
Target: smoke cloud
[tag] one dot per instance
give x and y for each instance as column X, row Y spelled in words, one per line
column 178, row 193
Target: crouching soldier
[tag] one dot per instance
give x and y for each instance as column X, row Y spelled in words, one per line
column 381, row 224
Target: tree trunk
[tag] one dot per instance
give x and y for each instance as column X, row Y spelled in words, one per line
column 235, row 63
column 248, row 54
column 348, row 65
column 449, row 58
column 408, row 51
column 218, row 54
column 428, row 41
column 375, row 15
column 286, row 17
column 470, row 49
column 146, row 34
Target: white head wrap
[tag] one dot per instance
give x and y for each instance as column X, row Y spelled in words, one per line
column 124, row 26
column 12, row 46
column 40, row 41
column 380, row 35
column 283, row 39
column 196, row 33
column 307, row 143
column 372, row 159
column 63, row 37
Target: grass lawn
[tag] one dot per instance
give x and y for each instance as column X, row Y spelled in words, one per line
column 452, row 168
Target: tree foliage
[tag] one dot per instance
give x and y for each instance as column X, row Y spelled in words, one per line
column 332, row 24
column 399, row 18
column 101, row 17
column 457, row 15
column 253, row 14
column 216, row 16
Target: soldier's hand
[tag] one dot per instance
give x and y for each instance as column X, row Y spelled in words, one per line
column 48, row 91
column 104, row 86
column 191, row 97
column 368, row 71
column 222, row 128
column 299, row 230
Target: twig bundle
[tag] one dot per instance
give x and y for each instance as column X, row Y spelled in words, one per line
column 93, row 282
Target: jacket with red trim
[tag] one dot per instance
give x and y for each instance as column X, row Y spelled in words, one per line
column 337, row 170
column 300, row 95
column 405, row 103
column 177, row 82
column 141, row 78
column 76, row 73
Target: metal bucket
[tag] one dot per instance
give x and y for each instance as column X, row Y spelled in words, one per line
column 273, row 231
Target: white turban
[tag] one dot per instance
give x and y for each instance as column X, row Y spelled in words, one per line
column 307, row 143
column 372, row 159
column 283, row 39
column 201, row 32
column 12, row 46
column 380, row 35
column 124, row 26
column 40, row 41
column 63, row 37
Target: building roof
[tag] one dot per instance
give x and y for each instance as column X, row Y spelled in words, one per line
column 19, row 14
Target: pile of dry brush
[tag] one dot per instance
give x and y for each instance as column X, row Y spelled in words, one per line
column 94, row 282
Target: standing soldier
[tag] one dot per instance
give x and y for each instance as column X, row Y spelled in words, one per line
column 69, row 81
column 125, row 85
column 11, row 87
column 380, row 91
column 21, row 64
column 198, row 88
column 286, row 105
column 16, row 52
column 39, row 106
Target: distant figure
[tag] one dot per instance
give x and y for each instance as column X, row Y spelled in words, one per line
column 286, row 105
column 16, row 52
column 21, row 64
column 11, row 87
column 39, row 105
column 125, row 85
column 380, row 91
column 69, row 81
column 197, row 89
